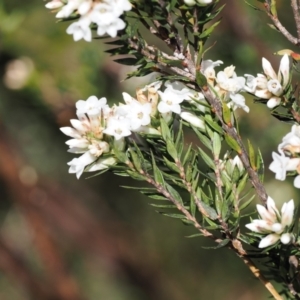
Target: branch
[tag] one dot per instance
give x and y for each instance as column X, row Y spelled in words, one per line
column 256, row 272
column 272, row 13
column 231, row 131
column 182, row 209
column 295, row 8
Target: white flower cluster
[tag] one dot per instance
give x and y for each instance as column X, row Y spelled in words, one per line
column 270, row 86
column 274, row 225
column 226, row 83
column 100, row 128
column 288, row 159
column 104, row 13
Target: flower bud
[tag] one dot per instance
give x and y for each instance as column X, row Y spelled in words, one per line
column 54, row 4
column 192, row 119
column 190, row 2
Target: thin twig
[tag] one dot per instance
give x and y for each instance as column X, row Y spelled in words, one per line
column 231, row 131
column 278, row 24
column 256, row 272
column 295, row 8
column 182, row 209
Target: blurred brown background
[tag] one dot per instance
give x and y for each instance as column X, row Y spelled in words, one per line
column 68, row 239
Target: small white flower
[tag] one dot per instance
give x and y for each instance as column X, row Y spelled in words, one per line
column 91, row 106
column 68, row 9
column 270, row 85
column 173, row 95
column 238, row 101
column 281, row 164
column 81, row 30
column 117, row 127
column 77, row 165
column 208, row 69
column 291, row 141
column 273, row 224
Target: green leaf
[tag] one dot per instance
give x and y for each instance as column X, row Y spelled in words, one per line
column 130, row 61
column 201, row 80
column 213, row 124
column 216, row 145
column 226, row 113
column 135, row 159
column 171, row 149
column 165, row 206
column 251, row 156
column 176, row 216
column 232, row 143
column 158, row 176
column 179, row 143
column 246, row 203
column 204, row 140
column 207, row 32
column 242, row 183
column 187, row 156
column 136, row 175
column 194, row 235
column 175, row 195
column 120, row 155
column 235, row 174
column 206, row 159
column 223, row 243
column 155, row 196
column 260, row 166
column 165, row 130
column 212, row 214
column 172, row 166
column 192, row 206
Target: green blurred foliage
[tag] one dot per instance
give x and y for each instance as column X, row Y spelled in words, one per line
column 60, row 72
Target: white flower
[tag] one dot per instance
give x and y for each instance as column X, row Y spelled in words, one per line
column 112, row 28
column 118, row 127
column 68, row 9
column 281, row 164
column 77, row 165
column 101, row 164
column 81, row 30
column 208, row 69
column 238, row 101
column 105, row 14
column 228, row 81
column 270, row 85
column 173, row 95
column 273, row 224
column 92, row 106
column 291, row 141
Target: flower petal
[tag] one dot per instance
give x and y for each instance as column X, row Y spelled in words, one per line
column 269, row 240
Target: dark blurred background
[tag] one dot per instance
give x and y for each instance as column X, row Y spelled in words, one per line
column 68, row 239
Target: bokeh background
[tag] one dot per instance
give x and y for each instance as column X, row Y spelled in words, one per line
column 88, row 239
